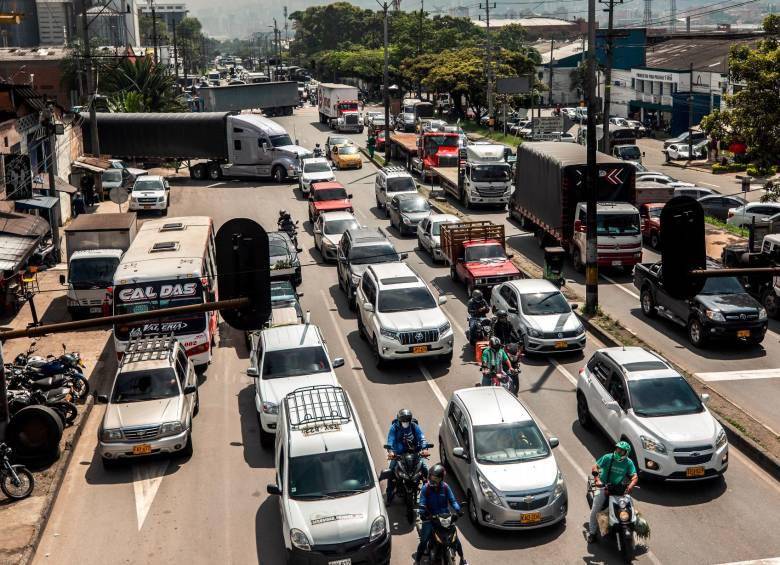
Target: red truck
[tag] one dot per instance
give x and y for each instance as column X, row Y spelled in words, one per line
column 476, row 254
column 328, row 197
column 422, row 152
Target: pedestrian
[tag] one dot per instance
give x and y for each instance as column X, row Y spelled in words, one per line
column 88, row 188
column 371, row 144
column 78, row 204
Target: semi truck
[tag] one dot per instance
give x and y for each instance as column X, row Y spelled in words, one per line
column 476, row 254
column 483, row 177
column 339, row 107
column 273, row 98
column 94, row 245
column 243, row 145
column 550, row 200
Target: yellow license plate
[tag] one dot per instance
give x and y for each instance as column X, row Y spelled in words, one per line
column 694, row 472
column 743, row 333
column 560, row 345
column 530, row 518
column 420, row 349
column 143, row 449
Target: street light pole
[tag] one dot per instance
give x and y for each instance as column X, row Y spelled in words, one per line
column 591, row 248
column 385, row 87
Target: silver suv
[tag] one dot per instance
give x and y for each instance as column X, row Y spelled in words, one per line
column 152, row 402
column 391, row 181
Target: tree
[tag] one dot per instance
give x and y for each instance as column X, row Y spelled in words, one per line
column 146, row 31
column 140, row 86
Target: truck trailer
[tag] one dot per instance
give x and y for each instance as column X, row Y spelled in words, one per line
column 273, row 98
column 338, row 107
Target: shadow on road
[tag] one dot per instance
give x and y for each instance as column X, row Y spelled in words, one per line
column 268, row 533
column 254, row 455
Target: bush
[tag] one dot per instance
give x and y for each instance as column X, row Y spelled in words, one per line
column 760, row 171
column 728, row 168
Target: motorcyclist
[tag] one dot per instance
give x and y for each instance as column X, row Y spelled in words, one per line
column 285, row 221
column 610, row 472
column 436, row 497
column 502, row 328
column 477, row 308
column 495, row 360
column 318, row 152
column 405, row 436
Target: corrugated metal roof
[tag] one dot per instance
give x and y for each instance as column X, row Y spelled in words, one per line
column 527, row 22
column 23, row 225
column 14, row 250
column 96, row 222
column 705, row 53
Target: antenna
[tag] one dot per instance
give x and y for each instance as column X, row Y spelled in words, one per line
column 648, row 13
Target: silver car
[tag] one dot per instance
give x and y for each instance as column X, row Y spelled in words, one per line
column 502, row 460
column 540, row 315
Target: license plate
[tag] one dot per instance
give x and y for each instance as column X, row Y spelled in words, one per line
column 146, row 206
column 347, row 561
column 694, row 472
column 560, row 345
column 95, row 310
column 143, row 449
column 743, row 333
column 420, row 349
column 531, row 518
column 617, row 263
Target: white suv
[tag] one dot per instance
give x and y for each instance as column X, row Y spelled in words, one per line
column 283, row 359
column 391, row 181
column 635, row 395
column 150, row 192
column 399, row 315
column 329, row 497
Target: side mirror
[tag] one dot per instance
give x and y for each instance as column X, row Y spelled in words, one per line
column 575, row 306
column 404, row 256
column 265, row 146
column 442, row 300
column 338, row 362
column 368, row 307
column 189, row 389
column 512, row 310
column 102, row 398
column 612, row 405
column 385, row 475
column 252, row 372
column 273, row 489
column 705, row 398
column 299, row 295
column 349, row 195
column 554, row 442
column 62, row 279
column 460, row 453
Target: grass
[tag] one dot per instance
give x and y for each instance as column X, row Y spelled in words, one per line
column 742, row 232
column 511, row 140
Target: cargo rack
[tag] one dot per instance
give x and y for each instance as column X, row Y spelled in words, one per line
column 312, row 407
column 149, row 348
column 395, row 169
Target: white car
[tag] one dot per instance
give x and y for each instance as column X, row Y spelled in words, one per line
column 370, row 115
column 429, row 233
column 661, row 178
column 680, row 151
column 315, row 169
column 760, row 211
column 328, row 229
column 570, row 112
column 540, row 315
column 150, row 192
column 283, row 359
column 563, row 136
column 635, row 395
column 399, row 316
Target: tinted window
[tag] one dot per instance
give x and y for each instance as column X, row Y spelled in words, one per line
column 436, row 230
column 725, row 285
column 509, row 443
column 402, row 299
column 148, row 184
column 367, row 254
column 335, row 227
column 348, row 150
column 92, row 271
column 295, row 362
column 281, row 140
column 663, row 397
column 330, row 474
column 139, row 386
column 486, row 173
column 543, row 303
column 401, row 184
column 414, row 205
column 645, row 366
column 112, row 175
column 480, row 252
column 316, row 167
column 617, row 224
column 330, row 194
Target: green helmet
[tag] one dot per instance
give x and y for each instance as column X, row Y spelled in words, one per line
column 625, row 446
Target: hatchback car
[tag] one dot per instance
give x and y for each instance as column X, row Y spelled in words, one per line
column 502, row 460
column 406, row 211
column 758, row 211
column 328, row 229
column 347, row 157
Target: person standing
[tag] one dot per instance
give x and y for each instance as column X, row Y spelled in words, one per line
column 88, row 188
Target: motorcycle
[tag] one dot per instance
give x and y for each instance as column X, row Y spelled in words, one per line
column 481, row 330
column 505, row 380
column 290, row 228
column 441, row 548
column 622, row 518
column 16, row 481
column 58, row 399
column 408, row 477
column 39, row 373
column 318, row 152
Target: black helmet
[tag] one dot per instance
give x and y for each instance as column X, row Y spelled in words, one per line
column 502, row 314
column 437, row 472
column 476, row 294
column 404, row 415
column 282, row 213
column 316, row 145
column 495, row 343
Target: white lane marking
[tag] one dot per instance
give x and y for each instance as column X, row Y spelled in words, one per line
column 432, row 383
column 739, row 375
column 760, row 473
column 710, row 185
column 147, row 477
column 620, row 286
column 565, row 372
column 352, row 363
column 768, row 561
column 213, row 185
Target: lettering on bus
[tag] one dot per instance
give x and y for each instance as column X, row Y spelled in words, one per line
column 138, row 293
column 164, row 328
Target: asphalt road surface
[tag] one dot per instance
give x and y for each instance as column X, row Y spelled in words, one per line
column 213, row 508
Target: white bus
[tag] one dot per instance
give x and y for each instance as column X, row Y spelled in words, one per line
column 171, row 262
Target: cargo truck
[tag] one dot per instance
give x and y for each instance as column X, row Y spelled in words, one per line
column 476, row 254
column 273, row 98
column 549, row 199
column 764, row 287
column 94, row 245
column 243, row 145
column 339, row 107
column 483, row 177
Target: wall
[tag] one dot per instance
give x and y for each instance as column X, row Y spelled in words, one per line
column 55, row 19
column 24, row 34
column 47, row 76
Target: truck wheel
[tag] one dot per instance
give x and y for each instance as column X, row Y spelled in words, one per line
column 579, row 266
column 198, row 172
column 648, row 303
column 696, row 333
column 453, row 274
column 279, row 174
column 215, row 171
column 771, row 303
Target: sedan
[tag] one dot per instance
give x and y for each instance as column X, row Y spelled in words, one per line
column 718, row 206
column 406, row 211
column 679, row 151
column 540, row 315
column 328, row 229
column 743, row 216
column 429, row 233
column 661, row 179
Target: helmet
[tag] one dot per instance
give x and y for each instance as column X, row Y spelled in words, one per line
column 625, row 446
column 437, row 473
column 282, row 213
column 502, row 314
column 316, row 145
column 495, row 343
column 404, row 415
column 476, row 294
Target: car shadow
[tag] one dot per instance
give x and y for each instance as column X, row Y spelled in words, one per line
column 395, row 373
column 321, row 127
column 124, row 472
column 254, row 455
column 340, row 300
column 230, row 338
column 268, row 533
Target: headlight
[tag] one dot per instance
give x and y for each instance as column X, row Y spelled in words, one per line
column 580, row 329
column 444, row 328
column 650, row 444
column 111, row 435
column 534, row 333
column 391, row 334
column 560, row 486
column 298, row 539
column 270, row 408
column 405, row 220
column 171, row 428
column 488, row 491
column 378, row 528
column 624, row 516
column 715, row 316
column 721, row 441
column 762, row 313
column 355, row 279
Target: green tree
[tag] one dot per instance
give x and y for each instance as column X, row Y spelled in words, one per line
column 146, row 31
column 140, row 86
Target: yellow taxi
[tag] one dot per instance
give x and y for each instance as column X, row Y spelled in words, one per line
column 347, row 157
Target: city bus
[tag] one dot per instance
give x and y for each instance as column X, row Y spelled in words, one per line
column 171, row 262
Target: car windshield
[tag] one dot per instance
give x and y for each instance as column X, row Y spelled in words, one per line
column 330, row 194
column 404, row 299
column 316, row 167
column 481, row 173
column 442, row 141
column 631, row 152
column 370, row 254
column 484, row 252
column 281, row 140
column 436, row 229
column 331, row 474
column 283, row 363
column 338, row 141
column 509, row 443
column 118, row 164
column 112, row 175
column 138, row 386
column 617, row 224
column 336, row 227
column 148, row 184
column 92, row 271
column 278, row 248
column 669, row 396
column 348, row 150
column 401, row 184
column 414, row 205
column 543, row 303
column 654, row 212
column 724, row 285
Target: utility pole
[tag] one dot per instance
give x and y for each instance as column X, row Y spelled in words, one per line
column 608, row 73
column 175, row 56
column 690, row 114
column 552, row 52
column 489, row 57
column 154, row 31
column 285, row 24
column 419, row 44
column 591, row 249
column 90, row 98
column 386, row 84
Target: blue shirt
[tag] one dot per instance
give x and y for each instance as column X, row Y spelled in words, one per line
column 437, row 500
column 404, row 440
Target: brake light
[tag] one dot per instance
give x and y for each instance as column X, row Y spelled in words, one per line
column 198, row 349
column 731, row 214
column 582, row 370
column 579, row 226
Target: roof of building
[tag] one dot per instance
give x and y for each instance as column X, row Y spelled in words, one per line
column 102, row 222
column 562, row 49
column 530, row 22
column 706, row 53
column 32, row 53
column 14, row 250
column 23, row 225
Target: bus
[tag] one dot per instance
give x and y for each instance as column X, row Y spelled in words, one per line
column 618, row 135
column 171, row 262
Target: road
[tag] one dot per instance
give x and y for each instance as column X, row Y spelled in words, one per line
column 213, row 508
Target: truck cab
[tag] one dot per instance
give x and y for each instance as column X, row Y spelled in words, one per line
column 619, row 235
column 435, row 149
column 488, row 177
column 348, row 117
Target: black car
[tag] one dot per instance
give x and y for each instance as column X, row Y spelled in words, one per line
column 406, row 211
column 285, row 263
column 718, row 206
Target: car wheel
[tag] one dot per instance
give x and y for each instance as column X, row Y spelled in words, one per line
column 655, row 240
column 361, row 328
column 576, row 261
column 266, row 439
column 379, row 361
column 215, row 171
column 198, row 172
column 583, row 413
column 648, row 303
column 473, row 511
column 187, row 451
column 696, row 334
column 352, row 300
column 196, row 409
column 443, row 454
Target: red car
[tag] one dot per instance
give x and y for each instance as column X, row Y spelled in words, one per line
column 328, row 197
column 380, row 140
column 651, row 223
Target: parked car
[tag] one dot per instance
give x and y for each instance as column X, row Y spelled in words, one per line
column 111, row 179
column 718, row 206
column 502, row 460
column 571, row 113
column 406, row 211
column 564, row 136
column 641, row 131
column 314, row 169
column 128, row 173
column 328, row 229
column 522, row 125
column 347, row 157
column 328, row 197
column 429, row 233
column 677, row 151
column 636, row 396
column 743, row 216
column 622, row 122
column 150, row 192
column 540, row 315
column 697, row 137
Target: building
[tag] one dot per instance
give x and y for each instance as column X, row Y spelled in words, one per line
column 171, row 14
column 56, row 22
column 40, row 68
column 540, row 26
column 25, row 33
column 115, row 24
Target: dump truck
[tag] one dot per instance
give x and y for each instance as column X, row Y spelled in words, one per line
column 273, row 98
column 476, row 254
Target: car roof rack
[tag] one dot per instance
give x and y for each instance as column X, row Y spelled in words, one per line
column 149, row 348
column 315, row 409
column 394, row 169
